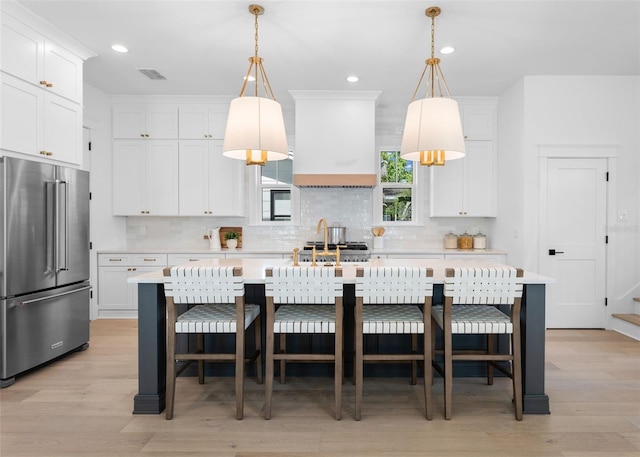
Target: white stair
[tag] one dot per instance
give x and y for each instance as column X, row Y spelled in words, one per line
column 629, row 324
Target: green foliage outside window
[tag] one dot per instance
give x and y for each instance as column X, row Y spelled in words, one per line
column 396, row 200
column 394, row 168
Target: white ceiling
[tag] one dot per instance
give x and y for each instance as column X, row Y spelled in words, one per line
column 202, row 47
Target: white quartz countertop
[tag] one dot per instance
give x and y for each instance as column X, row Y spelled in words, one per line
column 418, row 251
column 254, row 269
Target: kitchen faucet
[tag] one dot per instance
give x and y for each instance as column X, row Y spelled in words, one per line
column 323, row 222
column 326, row 233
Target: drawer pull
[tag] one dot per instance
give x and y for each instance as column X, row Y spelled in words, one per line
column 150, row 260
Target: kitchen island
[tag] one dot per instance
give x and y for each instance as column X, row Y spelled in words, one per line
column 152, row 321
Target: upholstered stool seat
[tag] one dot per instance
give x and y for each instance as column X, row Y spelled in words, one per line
column 475, row 319
column 214, row 319
column 305, row 319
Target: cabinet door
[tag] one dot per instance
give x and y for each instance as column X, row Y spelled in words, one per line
column 199, row 121
column 22, row 112
column 62, row 72
column 162, row 121
column 479, row 180
column 161, row 186
column 194, row 178
column 62, row 129
column 218, row 121
column 477, row 122
column 22, row 50
column 226, row 183
column 113, row 290
column 194, row 121
column 128, row 121
column 447, row 189
column 129, row 173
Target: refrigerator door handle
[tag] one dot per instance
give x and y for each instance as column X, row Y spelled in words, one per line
column 48, row 297
column 57, row 220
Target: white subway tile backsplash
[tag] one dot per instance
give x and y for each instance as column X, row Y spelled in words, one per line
column 352, row 208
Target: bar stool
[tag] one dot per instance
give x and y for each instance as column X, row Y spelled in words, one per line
column 218, row 296
column 388, row 301
column 303, row 300
column 471, row 297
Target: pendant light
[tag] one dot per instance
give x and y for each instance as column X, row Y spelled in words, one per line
column 255, row 127
column 432, row 129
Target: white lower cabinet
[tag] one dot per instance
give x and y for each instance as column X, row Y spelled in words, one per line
column 116, row 297
column 180, row 259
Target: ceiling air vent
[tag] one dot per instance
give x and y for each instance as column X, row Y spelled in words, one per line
column 152, row 73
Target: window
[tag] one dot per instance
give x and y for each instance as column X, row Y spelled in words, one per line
column 275, row 191
column 396, row 199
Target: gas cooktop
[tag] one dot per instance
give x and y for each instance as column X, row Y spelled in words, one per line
column 348, row 246
column 357, row 251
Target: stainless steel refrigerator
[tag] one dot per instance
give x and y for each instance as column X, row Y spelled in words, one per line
column 44, row 274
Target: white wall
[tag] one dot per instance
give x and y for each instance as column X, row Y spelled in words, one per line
column 107, row 232
column 571, row 110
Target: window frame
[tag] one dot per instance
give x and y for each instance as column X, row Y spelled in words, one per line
column 255, row 189
column 416, row 193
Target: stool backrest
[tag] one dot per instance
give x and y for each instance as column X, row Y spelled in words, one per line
column 394, row 285
column 483, row 285
column 303, row 285
column 206, row 284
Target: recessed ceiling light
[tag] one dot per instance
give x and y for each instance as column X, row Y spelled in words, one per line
column 353, row 79
column 447, row 50
column 119, row 48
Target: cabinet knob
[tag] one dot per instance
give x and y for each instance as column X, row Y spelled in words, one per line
column 142, row 135
column 146, row 135
column 43, row 83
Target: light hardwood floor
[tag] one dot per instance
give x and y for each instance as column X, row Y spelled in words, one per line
column 81, row 406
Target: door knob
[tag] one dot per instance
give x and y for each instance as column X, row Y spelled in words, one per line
column 554, row 252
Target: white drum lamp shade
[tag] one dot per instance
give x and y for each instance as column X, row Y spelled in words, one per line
column 254, row 125
column 432, row 124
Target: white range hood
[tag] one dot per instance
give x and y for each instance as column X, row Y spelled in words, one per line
column 335, row 138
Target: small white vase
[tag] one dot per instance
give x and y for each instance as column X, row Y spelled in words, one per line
column 232, row 243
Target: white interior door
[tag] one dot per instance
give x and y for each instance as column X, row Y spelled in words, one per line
column 573, row 230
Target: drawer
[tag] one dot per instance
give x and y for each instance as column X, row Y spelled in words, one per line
column 149, row 259
column 113, row 260
column 180, row 259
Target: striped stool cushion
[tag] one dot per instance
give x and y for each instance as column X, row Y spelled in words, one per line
column 392, row 319
column 472, row 319
column 219, row 318
column 305, row 319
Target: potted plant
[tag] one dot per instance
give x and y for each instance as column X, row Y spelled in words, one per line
column 232, row 239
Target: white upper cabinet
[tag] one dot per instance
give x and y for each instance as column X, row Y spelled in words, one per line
column 467, row 187
column 41, row 79
column 154, row 121
column 202, row 121
column 28, row 55
column 478, row 122
column 210, row 184
column 38, row 123
column 145, row 178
